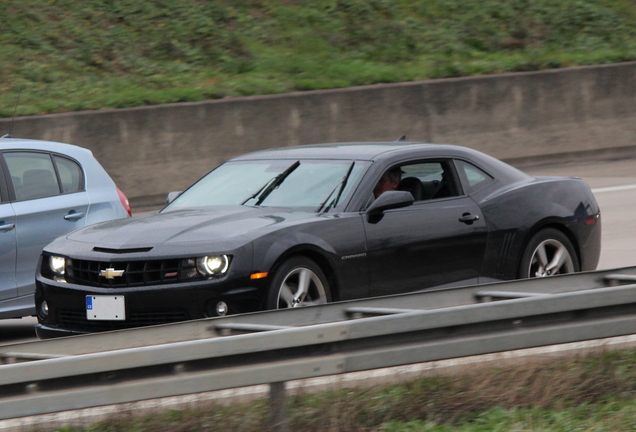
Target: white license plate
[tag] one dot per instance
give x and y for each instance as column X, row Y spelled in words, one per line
column 106, row 308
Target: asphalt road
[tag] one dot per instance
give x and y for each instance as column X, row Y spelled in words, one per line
column 613, row 183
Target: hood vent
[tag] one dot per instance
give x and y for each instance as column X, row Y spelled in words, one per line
column 122, row 251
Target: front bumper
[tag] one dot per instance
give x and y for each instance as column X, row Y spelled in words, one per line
column 144, row 306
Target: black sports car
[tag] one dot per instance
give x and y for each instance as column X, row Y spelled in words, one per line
column 308, row 225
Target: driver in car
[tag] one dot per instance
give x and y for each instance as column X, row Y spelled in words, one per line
column 389, row 182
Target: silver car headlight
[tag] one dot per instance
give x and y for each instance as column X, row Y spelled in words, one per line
column 213, row 265
column 57, row 265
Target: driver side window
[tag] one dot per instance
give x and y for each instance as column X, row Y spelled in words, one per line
column 427, row 180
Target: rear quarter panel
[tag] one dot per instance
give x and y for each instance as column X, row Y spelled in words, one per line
column 104, row 202
column 516, row 212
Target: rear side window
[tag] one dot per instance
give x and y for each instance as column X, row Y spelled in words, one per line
column 473, row 178
column 71, row 177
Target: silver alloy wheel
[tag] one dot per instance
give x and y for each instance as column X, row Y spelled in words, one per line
column 301, row 287
column 550, row 258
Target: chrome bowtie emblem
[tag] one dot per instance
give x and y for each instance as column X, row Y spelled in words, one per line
column 111, row 273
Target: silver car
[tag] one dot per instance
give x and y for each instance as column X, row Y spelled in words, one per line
column 47, row 189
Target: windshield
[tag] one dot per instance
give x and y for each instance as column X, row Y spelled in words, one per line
column 318, row 184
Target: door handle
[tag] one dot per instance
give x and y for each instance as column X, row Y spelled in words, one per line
column 6, row 227
column 74, row 216
column 468, row 218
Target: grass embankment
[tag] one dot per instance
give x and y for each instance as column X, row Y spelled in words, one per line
column 69, row 56
column 594, row 393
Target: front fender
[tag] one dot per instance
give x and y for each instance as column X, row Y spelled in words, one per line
column 331, row 242
column 268, row 254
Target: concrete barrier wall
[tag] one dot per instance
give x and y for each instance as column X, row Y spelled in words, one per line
column 150, row 151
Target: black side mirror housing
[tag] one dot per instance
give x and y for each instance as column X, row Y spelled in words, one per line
column 390, row 200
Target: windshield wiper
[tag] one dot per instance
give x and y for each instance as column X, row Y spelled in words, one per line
column 272, row 184
column 255, row 194
column 341, row 185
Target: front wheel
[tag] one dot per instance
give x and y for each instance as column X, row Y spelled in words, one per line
column 298, row 282
column 548, row 253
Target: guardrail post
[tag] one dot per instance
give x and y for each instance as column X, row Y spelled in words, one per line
column 278, row 407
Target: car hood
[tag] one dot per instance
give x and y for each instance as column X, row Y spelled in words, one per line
column 229, row 226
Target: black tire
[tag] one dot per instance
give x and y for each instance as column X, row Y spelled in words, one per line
column 283, row 290
column 548, row 253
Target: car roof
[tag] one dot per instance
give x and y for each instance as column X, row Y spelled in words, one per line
column 389, row 153
column 351, row 150
column 9, row 143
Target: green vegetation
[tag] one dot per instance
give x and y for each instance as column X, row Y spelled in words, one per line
column 594, row 393
column 68, row 56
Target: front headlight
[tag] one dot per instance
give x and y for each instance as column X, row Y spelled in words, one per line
column 57, row 265
column 213, row 265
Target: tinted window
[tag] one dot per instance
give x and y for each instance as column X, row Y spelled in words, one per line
column 32, row 174
column 472, row 177
column 70, row 174
column 427, row 180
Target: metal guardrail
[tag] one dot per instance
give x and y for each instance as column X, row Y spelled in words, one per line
column 278, row 346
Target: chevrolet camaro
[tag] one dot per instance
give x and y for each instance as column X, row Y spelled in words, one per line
column 302, row 226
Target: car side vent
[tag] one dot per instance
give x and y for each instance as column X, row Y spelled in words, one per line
column 121, row 251
column 506, row 251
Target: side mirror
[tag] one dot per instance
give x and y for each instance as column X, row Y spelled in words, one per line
column 173, row 196
column 390, row 200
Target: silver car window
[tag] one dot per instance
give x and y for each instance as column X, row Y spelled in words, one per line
column 70, row 174
column 32, row 174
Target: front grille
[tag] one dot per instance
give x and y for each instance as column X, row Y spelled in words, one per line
column 76, row 320
column 123, row 274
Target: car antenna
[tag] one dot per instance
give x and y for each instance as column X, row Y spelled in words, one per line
column 401, row 139
column 13, row 116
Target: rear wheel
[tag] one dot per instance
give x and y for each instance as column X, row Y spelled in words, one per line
column 548, row 253
column 298, row 282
